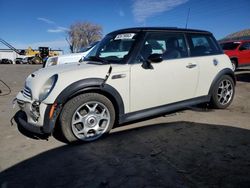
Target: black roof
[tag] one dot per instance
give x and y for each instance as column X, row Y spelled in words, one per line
column 137, row 29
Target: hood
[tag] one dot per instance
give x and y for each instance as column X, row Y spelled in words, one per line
column 67, row 74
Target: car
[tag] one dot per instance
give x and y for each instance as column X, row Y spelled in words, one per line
column 19, row 60
column 131, row 75
column 28, row 60
column 238, row 51
column 6, row 61
column 70, row 58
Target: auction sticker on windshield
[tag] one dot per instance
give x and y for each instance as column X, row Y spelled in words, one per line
column 125, row 36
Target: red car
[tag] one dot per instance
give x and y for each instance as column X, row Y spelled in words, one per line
column 238, row 52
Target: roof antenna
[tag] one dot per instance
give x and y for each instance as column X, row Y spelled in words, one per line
column 187, row 18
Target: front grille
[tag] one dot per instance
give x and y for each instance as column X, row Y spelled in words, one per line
column 27, row 93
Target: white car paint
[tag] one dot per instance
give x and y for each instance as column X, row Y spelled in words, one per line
column 168, row 82
column 144, row 84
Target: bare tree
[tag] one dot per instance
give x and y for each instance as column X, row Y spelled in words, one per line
column 82, row 34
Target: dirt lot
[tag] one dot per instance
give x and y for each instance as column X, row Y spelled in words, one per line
column 193, row 148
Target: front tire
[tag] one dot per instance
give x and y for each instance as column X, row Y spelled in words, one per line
column 223, row 92
column 87, row 117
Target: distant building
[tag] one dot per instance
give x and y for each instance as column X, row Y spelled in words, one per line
column 8, row 54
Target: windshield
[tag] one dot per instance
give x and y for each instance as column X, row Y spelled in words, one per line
column 113, row 48
column 229, row 45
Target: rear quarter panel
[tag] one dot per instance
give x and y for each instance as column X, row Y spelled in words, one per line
column 209, row 67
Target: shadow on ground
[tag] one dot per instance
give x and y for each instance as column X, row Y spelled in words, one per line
column 180, row 154
column 243, row 75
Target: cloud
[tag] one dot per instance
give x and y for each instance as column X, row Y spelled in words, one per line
column 143, row 9
column 46, row 20
column 58, row 30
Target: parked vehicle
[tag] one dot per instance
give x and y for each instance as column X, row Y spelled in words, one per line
column 238, row 52
column 6, row 61
column 132, row 74
column 70, row 58
column 29, row 55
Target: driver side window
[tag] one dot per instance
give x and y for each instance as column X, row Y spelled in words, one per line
column 170, row 46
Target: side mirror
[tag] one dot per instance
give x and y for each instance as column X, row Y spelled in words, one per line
column 155, row 58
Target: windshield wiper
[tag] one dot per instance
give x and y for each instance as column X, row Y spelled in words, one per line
column 96, row 58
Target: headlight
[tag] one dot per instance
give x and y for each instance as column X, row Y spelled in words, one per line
column 47, row 87
column 52, row 61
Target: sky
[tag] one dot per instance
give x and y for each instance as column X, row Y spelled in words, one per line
column 32, row 23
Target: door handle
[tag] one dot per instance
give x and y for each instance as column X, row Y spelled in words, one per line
column 191, row 65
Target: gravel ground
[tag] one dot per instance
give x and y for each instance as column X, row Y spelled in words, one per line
column 193, row 148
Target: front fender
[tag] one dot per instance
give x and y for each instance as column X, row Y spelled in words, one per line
column 76, row 88
column 91, row 84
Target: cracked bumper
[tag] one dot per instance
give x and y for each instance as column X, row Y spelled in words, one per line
column 21, row 120
column 28, row 121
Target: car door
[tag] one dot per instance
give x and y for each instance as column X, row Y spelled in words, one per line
column 244, row 53
column 172, row 80
column 209, row 58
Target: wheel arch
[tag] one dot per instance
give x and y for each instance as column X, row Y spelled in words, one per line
column 92, row 85
column 226, row 71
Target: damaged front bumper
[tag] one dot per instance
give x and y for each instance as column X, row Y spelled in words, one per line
column 35, row 117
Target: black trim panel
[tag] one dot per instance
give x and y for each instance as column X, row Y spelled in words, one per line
column 161, row 110
column 77, row 87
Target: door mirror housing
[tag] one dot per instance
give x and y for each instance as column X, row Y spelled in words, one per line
column 155, row 58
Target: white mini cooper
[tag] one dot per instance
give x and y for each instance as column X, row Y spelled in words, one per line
column 132, row 74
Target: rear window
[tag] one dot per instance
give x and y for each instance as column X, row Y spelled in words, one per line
column 229, row 45
column 202, row 45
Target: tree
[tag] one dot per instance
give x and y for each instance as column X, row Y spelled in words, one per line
column 82, row 34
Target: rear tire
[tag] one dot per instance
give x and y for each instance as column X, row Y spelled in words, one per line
column 223, row 92
column 87, row 117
